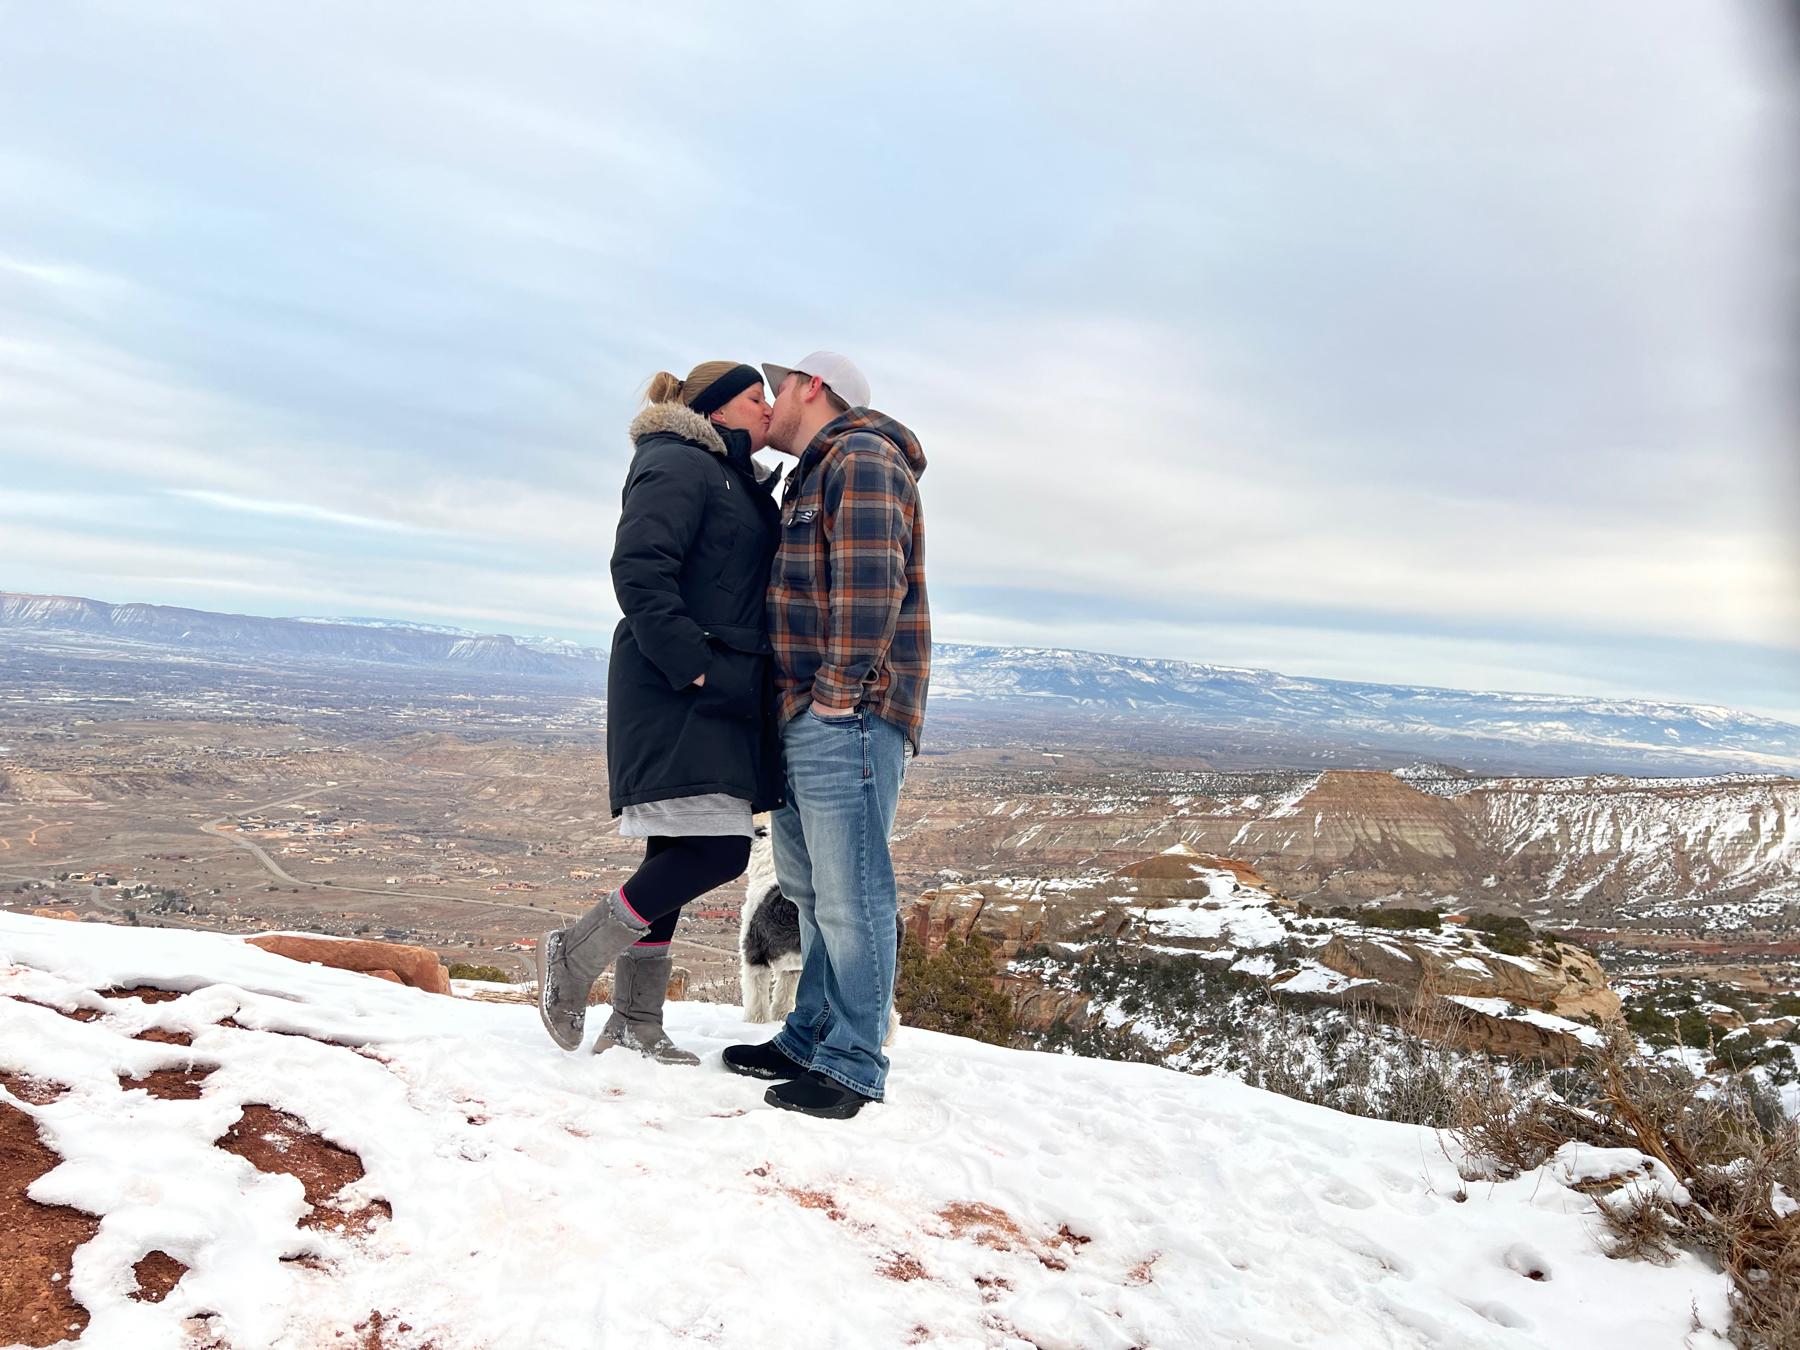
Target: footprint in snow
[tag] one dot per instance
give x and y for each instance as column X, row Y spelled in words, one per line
column 1340, row 1192
column 1522, row 1260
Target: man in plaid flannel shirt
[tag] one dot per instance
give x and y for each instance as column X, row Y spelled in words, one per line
column 852, row 636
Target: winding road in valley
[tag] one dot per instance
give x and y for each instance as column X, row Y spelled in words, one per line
column 217, row 829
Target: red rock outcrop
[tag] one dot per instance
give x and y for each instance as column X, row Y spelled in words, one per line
column 36, row 1306
column 1012, row 919
column 1564, row 980
column 417, row 967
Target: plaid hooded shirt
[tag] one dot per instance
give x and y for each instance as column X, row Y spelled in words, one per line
column 847, row 610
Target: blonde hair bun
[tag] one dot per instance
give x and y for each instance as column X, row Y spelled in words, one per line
column 664, row 388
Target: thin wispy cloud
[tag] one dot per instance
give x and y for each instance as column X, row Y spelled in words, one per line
column 291, row 510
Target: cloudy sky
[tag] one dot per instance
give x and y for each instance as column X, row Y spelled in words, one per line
column 1421, row 343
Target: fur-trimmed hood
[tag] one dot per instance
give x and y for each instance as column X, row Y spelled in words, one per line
column 677, row 419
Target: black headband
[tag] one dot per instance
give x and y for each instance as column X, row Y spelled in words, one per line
column 727, row 387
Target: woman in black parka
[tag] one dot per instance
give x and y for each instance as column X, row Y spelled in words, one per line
column 690, row 747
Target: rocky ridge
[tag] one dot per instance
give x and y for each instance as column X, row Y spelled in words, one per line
column 1574, row 847
column 1543, row 1003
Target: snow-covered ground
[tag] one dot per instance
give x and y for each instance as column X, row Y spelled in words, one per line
column 1000, row 1198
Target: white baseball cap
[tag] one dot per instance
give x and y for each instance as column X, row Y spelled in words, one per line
column 839, row 373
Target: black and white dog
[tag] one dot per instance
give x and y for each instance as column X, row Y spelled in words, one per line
column 769, row 941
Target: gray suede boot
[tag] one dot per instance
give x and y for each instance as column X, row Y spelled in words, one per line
column 640, row 986
column 570, row 959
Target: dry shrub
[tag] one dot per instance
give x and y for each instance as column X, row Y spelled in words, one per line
column 1718, row 1137
column 1360, row 1060
column 1506, row 1130
column 1638, row 1228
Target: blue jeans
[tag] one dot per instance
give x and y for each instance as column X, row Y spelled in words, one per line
column 831, row 858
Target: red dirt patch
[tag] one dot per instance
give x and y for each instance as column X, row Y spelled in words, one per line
column 820, row 1200
column 273, row 1141
column 157, row 1274
column 902, row 1266
column 170, row 1084
column 997, row 1230
column 37, row 1091
column 143, row 993
column 989, row 1226
column 35, row 1305
column 1141, row 1273
column 163, row 1037
column 381, row 1331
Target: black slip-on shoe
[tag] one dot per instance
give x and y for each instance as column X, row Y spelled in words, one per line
column 761, row 1061
column 816, row 1095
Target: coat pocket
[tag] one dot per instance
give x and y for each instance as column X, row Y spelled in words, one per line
column 734, row 684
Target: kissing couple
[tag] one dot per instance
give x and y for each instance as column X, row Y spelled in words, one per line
column 773, row 656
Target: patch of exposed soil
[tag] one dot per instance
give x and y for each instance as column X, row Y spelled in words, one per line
column 170, row 1084
column 902, row 1266
column 157, row 1274
column 990, row 1227
column 162, row 1037
column 35, row 1305
column 820, row 1200
column 37, row 1091
column 144, row 993
column 273, row 1141
column 383, row 1331
column 997, row 1230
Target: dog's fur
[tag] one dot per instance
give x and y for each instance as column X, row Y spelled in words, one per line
column 769, row 941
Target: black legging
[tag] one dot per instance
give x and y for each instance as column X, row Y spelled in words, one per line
column 677, row 869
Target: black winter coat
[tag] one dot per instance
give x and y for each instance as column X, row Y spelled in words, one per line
column 690, row 567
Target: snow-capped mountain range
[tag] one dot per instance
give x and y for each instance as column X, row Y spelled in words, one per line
column 318, row 640
column 1380, row 723
column 1442, row 722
